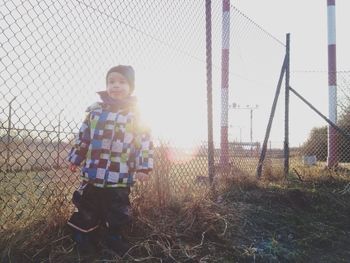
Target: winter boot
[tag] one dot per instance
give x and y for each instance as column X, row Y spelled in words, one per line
column 118, row 244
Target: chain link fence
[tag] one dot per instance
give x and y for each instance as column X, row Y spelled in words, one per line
column 54, row 57
column 255, row 62
column 312, row 152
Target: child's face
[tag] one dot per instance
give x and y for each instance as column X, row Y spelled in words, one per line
column 117, row 86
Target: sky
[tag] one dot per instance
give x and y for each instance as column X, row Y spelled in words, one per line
column 306, row 21
column 55, row 55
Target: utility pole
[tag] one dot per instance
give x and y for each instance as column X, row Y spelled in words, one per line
column 251, row 108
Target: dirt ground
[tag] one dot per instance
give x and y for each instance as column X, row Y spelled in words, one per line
column 295, row 220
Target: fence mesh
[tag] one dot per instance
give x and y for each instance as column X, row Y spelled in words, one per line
column 312, row 150
column 343, row 108
column 54, row 57
column 252, row 85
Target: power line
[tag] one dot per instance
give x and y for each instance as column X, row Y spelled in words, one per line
column 318, row 71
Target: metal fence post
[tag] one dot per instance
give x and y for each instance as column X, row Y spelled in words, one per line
column 211, row 168
column 286, row 116
column 272, row 114
column 8, row 144
column 59, row 139
column 224, row 156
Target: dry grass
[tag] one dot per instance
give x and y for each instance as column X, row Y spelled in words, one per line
column 31, row 154
column 302, row 218
column 174, row 229
column 27, row 194
column 42, row 235
column 241, row 220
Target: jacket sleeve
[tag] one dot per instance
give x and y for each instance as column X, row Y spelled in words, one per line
column 143, row 145
column 78, row 153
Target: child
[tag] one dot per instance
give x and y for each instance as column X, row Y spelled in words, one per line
column 114, row 150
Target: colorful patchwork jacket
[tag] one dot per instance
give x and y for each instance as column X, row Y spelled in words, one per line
column 112, row 144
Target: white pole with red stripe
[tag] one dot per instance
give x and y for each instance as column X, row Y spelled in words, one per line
column 332, row 158
column 224, row 80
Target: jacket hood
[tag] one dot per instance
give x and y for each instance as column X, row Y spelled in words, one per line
column 117, row 103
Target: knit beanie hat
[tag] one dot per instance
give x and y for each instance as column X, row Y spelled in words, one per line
column 127, row 71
